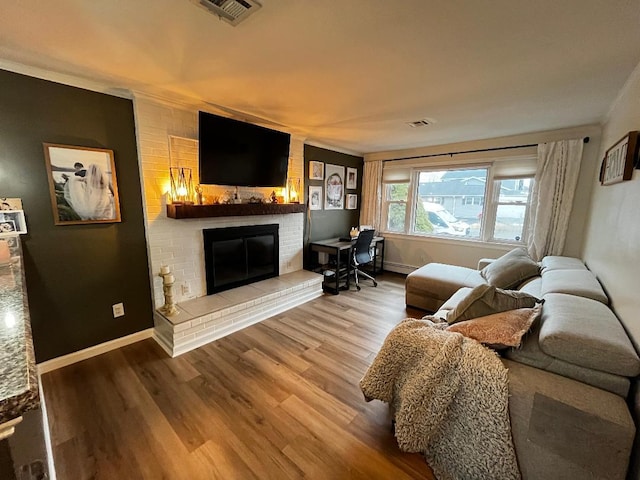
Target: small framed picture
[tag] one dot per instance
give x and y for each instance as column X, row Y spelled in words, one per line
column 352, row 201
column 7, row 226
column 352, row 178
column 10, row 204
column 316, row 170
column 12, row 221
column 82, row 184
column 334, row 187
column 315, row 198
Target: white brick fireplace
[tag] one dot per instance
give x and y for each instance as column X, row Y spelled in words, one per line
column 167, row 135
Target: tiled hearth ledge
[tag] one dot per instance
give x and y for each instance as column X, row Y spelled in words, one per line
column 204, row 319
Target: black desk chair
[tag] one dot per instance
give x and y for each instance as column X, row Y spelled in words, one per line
column 361, row 255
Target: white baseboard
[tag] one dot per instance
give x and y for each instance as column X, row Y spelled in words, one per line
column 47, row 434
column 71, row 358
column 398, row 268
column 161, row 341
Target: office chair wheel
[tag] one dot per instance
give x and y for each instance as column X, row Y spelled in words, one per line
column 358, row 287
column 375, row 284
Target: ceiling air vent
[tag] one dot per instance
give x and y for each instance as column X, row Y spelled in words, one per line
column 231, row 11
column 418, row 123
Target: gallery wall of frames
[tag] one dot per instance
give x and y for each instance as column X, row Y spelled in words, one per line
column 333, row 186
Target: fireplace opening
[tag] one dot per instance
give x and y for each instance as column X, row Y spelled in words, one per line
column 238, row 256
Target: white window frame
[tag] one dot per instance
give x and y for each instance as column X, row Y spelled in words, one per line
column 386, row 204
column 489, row 205
column 496, row 202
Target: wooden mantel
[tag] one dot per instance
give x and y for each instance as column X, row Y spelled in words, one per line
column 232, row 210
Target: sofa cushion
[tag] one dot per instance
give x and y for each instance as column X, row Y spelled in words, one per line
column 485, row 299
column 453, row 301
column 554, row 262
column 532, row 286
column 529, row 353
column 581, row 283
column 585, row 332
column 429, row 286
column 511, row 269
column 499, row 330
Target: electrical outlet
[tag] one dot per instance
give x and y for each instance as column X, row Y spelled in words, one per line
column 186, row 289
column 118, row 310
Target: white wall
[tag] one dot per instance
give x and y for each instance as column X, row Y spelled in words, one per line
column 403, row 254
column 178, row 243
column 612, row 241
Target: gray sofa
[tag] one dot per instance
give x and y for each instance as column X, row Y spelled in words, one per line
column 568, row 381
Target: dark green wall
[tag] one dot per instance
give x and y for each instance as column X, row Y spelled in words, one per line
column 74, row 273
column 321, row 224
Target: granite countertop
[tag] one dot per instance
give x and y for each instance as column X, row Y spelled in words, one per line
column 18, row 375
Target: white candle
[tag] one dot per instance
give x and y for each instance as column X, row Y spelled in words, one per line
column 169, row 279
column 164, row 269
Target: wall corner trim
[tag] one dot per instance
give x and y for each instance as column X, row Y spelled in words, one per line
column 75, row 357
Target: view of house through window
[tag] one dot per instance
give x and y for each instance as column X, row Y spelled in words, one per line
column 452, row 214
column 459, row 203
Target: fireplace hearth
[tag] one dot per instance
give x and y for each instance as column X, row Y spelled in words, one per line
column 239, row 256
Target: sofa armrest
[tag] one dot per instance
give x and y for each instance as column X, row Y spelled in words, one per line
column 483, row 262
column 551, row 418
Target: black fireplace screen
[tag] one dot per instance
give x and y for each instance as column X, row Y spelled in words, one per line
column 238, row 256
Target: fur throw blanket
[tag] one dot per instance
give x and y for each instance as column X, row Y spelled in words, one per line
column 450, row 399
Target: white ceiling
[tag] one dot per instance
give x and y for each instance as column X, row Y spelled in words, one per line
column 349, row 74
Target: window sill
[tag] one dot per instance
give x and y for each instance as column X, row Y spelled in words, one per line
column 461, row 241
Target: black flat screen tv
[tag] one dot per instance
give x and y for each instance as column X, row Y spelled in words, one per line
column 241, row 154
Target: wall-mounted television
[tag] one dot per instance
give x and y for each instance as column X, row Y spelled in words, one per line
column 241, row 154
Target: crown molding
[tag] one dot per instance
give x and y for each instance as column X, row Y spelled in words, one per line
column 65, row 79
column 333, row 148
column 488, row 143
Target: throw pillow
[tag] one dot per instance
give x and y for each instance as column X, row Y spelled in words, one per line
column 511, row 269
column 499, row 330
column 486, row 299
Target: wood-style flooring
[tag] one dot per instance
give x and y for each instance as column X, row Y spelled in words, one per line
column 277, row 400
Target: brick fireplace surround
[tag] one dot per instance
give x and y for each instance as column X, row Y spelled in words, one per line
column 167, row 135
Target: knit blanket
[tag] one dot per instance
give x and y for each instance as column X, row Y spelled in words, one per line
column 449, row 395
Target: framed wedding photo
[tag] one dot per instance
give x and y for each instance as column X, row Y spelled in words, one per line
column 352, row 178
column 316, row 170
column 82, row 184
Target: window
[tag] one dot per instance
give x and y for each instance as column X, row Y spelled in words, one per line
column 451, row 215
column 484, row 202
column 512, row 208
column 473, row 201
column 396, row 200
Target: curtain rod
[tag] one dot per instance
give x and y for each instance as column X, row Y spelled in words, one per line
column 585, row 140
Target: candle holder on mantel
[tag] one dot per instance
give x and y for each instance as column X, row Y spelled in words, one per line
column 169, row 307
column 181, row 185
column 294, row 190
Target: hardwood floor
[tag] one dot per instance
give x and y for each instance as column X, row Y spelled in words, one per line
column 277, row 400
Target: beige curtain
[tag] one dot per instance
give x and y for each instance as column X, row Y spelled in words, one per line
column 371, row 194
column 552, row 196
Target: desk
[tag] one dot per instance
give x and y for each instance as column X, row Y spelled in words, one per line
column 337, row 249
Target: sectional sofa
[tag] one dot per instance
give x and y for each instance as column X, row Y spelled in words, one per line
column 570, row 378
